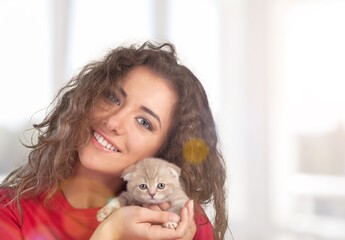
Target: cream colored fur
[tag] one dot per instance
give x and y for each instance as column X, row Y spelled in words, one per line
column 150, row 181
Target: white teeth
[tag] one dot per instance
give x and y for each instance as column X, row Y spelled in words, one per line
column 104, row 142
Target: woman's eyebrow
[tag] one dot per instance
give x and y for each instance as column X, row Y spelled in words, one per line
column 153, row 114
column 145, row 109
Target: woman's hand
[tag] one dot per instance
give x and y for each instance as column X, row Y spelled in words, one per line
column 134, row 222
column 165, row 206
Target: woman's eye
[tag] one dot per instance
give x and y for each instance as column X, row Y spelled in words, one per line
column 145, row 123
column 113, row 98
column 142, row 186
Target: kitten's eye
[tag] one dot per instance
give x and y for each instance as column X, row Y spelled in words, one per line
column 161, row 185
column 142, row 186
column 113, row 98
column 145, row 123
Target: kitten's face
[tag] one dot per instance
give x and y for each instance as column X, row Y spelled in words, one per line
column 152, row 181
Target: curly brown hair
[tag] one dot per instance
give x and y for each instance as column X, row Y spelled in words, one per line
column 65, row 128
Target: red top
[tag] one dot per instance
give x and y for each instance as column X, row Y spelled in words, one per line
column 59, row 220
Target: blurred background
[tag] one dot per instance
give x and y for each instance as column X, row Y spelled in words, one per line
column 273, row 70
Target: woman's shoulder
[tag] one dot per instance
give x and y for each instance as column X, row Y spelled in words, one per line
column 204, row 228
column 8, row 208
column 8, row 199
column 6, row 194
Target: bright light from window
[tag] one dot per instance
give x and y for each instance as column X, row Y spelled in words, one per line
column 196, row 35
column 97, row 26
column 25, row 67
column 314, row 65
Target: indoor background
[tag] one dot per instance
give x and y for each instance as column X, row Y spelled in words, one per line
column 273, row 70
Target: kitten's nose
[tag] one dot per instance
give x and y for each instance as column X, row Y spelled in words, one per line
column 152, row 194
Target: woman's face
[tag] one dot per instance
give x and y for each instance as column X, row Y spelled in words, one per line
column 130, row 123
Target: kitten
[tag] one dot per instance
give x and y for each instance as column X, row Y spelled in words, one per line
column 150, row 181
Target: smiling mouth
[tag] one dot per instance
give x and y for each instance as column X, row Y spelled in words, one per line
column 104, row 142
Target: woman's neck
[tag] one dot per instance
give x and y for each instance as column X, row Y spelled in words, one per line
column 89, row 189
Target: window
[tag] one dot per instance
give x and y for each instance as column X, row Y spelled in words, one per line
column 308, row 155
column 25, row 73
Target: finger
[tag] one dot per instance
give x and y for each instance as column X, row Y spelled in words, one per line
column 190, row 207
column 152, row 207
column 190, row 232
column 187, row 215
column 164, row 206
column 159, row 232
column 147, row 215
column 157, row 207
column 192, row 227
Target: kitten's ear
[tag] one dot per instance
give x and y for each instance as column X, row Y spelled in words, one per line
column 128, row 173
column 174, row 170
column 127, row 176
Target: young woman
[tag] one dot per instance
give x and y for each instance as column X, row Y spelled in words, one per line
column 136, row 102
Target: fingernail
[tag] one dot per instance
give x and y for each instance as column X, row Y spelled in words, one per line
column 192, row 204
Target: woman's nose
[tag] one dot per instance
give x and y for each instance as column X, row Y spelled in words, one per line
column 116, row 121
